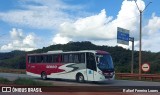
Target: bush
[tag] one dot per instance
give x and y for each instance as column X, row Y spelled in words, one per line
column 4, row 81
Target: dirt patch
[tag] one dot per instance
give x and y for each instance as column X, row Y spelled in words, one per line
column 17, row 71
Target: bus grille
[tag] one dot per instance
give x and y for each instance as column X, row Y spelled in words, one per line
column 108, row 76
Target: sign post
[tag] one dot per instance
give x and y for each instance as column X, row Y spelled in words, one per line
column 123, row 38
column 132, row 59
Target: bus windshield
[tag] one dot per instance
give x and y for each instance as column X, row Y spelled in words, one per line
column 104, row 62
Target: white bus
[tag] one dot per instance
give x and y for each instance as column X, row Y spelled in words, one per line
column 86, row 65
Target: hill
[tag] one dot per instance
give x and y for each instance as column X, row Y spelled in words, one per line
column 121, row 57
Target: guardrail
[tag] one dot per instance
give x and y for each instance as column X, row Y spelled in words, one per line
column 145, row 76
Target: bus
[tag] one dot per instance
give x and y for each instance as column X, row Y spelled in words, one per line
column 84, row 65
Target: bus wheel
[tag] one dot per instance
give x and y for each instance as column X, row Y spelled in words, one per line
column 80, row 78
column 43, row 76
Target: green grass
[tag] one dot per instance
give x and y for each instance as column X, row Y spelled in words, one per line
column 31, row 82
column 4, row 81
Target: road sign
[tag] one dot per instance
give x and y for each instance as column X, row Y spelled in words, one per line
column 145, row 67
column 131, row 39
column 122, row 36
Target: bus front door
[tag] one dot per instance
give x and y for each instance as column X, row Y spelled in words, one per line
column 91, row 66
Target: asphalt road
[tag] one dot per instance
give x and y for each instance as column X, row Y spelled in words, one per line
column 12, row 76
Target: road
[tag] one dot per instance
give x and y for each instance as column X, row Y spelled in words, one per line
column 12, row 76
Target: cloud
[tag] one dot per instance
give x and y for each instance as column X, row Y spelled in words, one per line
column 153, row 25
column 102, row 28
column 20, row 41
column 40, row 14
column 58, row 39
column 151, row 34
column 84, row 27
column 44, row 19
column 151, row 43
column 16, row 34
column 99, row 28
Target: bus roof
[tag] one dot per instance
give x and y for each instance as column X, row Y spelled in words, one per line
column 61, row 52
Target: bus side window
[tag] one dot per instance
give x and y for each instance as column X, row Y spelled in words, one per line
column 55, row 58
column 38, row 59
column 45, row 59
column 31, row 59
column 49, row 58
column 82, row 58
column 65, row 58
column 75, row 58
column 70, row 58
column 61, row 58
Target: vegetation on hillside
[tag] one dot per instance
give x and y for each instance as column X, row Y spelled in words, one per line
column 121, row 56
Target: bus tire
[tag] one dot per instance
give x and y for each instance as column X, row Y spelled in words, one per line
column 44, row 75
column 80, row 78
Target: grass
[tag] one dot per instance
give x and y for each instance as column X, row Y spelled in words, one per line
column 4, row 81
column 25, row 81
column 31, row 82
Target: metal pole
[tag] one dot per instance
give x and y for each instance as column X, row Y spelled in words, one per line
column 140, row 35
column 132, row 62
column 140, row 44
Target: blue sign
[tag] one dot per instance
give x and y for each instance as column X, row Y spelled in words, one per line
column 122, row 36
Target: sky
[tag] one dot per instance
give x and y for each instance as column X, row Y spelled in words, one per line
column 33, row 24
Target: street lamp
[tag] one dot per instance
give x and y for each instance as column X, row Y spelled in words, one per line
column 140, row 37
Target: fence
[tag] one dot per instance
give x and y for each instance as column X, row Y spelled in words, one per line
column 144, row 76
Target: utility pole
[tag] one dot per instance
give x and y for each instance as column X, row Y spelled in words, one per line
column 140, row 44
column 140, row 38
